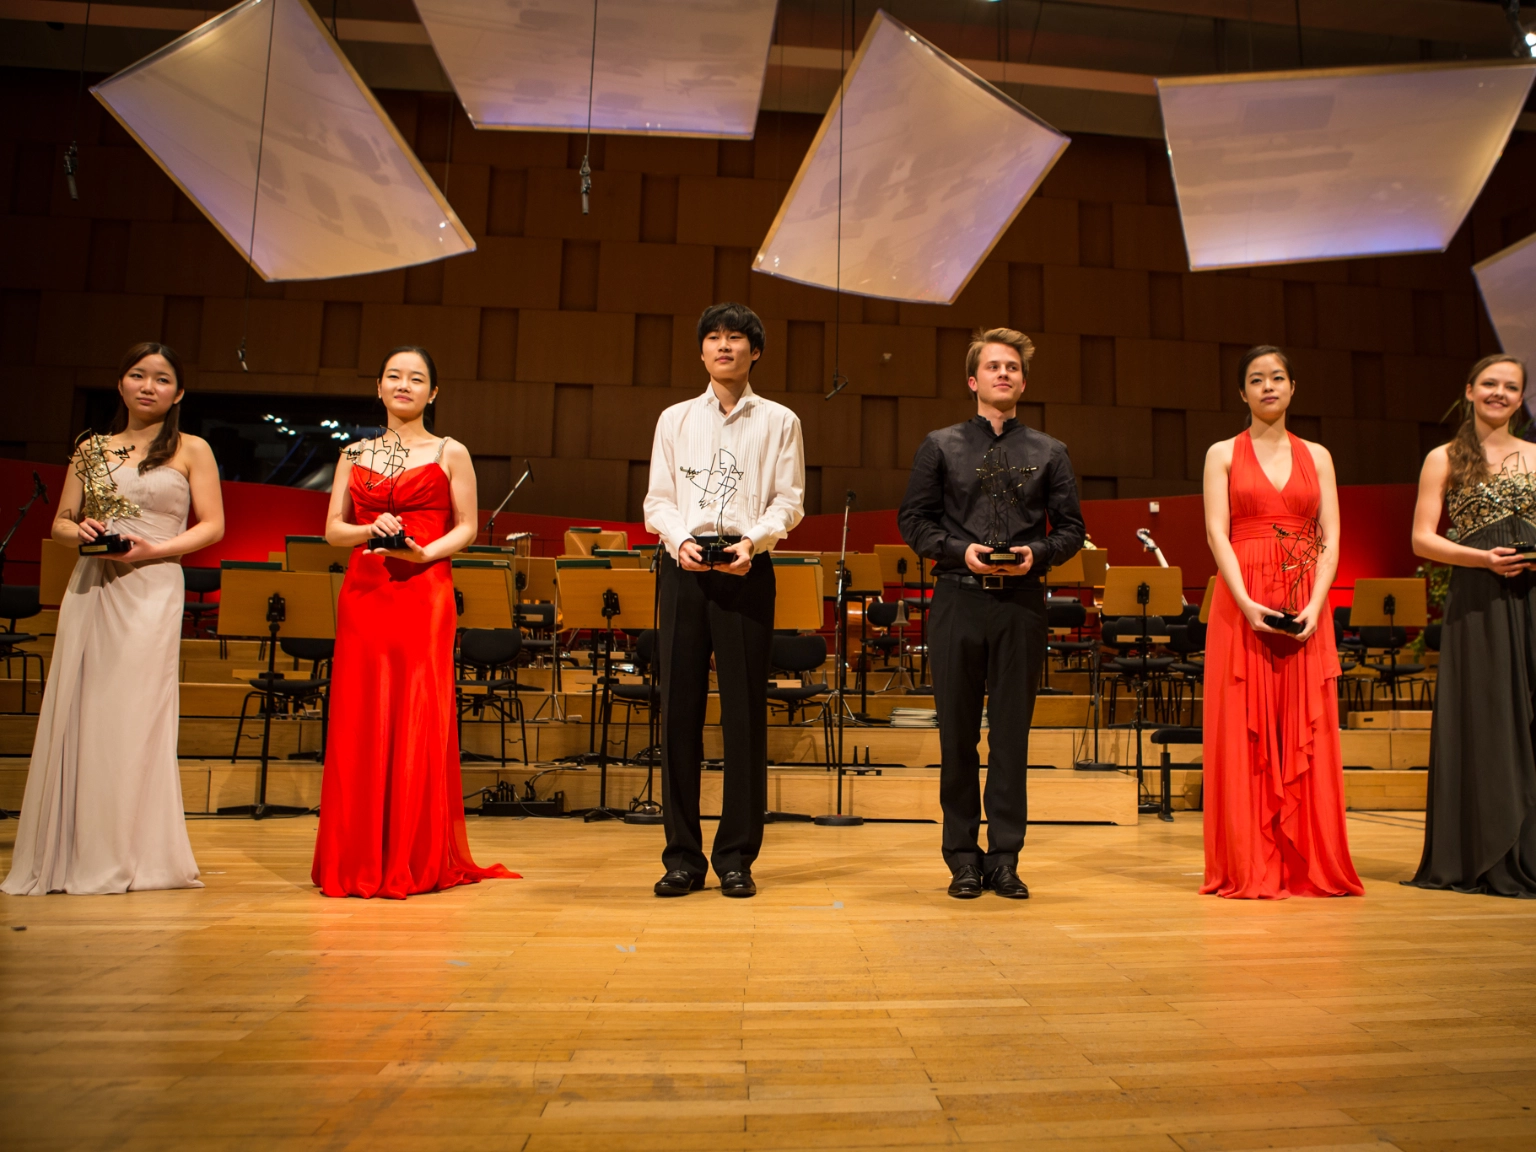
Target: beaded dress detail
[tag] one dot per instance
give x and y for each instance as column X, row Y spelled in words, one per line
column 1509, row 492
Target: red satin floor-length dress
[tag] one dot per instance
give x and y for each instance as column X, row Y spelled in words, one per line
column 391, row 801
column 1273, row 774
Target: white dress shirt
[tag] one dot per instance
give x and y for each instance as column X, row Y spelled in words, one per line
column 741, row 474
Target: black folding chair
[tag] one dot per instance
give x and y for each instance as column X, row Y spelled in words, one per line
column 490, row 655
column 20, row 602
column 294, row 694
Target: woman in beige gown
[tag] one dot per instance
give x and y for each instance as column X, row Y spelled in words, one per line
column 103, row 810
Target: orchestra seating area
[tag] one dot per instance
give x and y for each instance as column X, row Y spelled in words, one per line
column 538, row 730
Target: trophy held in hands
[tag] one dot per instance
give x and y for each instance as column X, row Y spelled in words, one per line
column 717, row 486
column 1300, row 552
column 1003, row 486
column 94, row 466
column 386, row 463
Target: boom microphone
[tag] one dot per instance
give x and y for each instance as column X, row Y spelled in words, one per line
column 39, row 488
column 852, row 496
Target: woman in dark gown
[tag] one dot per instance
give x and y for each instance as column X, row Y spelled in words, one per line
column 1480, row 820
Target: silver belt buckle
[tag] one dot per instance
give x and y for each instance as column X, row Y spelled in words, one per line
column 993, row 582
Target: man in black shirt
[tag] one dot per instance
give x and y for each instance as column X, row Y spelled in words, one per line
column 974, row 485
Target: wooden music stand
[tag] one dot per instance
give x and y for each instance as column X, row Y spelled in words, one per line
column 58, row 565
column 798, row 599
column 1095, row 564
column 603, row 600
column 864, row 575
column 1069, row 572
column 1396, row 603
column 313, row 554
column 622, row 557
column 1208, row 599
column 257, row 598
column 1141, row 592
column 581, row 541
column 890, row 557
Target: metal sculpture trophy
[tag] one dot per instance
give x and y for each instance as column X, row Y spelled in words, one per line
column 94, row 469
column 391, row 452
column 717, row 485
column 1300, row 551
column 1003, row 486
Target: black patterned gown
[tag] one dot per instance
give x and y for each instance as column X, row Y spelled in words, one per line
column 1480, row 821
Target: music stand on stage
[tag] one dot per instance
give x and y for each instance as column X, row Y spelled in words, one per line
column 313, row 554
column 256, row 598
column 485, row 589
column 603, row 600
column 863, row 581
column 57, row 565
column 1208, row 599
column 1393, row 603
column 1144, row 593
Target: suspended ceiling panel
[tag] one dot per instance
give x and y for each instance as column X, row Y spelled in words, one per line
column 664, row 67
column 1274, row 168
column 1507, row 281
column 929, row 164
column 341, row 193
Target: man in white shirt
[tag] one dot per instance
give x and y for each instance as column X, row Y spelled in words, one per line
column 727, row 484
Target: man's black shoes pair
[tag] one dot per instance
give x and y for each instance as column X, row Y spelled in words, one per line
column 679, row 882
column 968, row 883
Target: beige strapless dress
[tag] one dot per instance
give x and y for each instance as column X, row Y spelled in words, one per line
column 103, row 809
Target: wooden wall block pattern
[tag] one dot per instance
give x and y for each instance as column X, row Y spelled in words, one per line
column 576, row 347
column 1149, row 236
column 375, row 288
column 80, row 329
column 1361, row 318
column 1167, row 374
column 917, row 416
column 733, row 213
column 624, row 420
column 451, row 335
column 1233, row 309
column 1324, row 382
column 553, row 207
column 875, row 487
column 831, row 428
column 983, row 303
column 1096, row 301
column 505, row 272
column 1103, row 441
column 676, row 278
column 1044, row 232
column 44, row 253
column 668, row 155
column 498, row 418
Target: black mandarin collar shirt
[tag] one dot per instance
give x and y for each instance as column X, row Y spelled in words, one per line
column 945, row 509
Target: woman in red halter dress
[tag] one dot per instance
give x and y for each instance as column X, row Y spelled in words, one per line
column 1273, row 775
column 391, row 802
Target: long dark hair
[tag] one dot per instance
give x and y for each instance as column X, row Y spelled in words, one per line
column 429, row 417
column 165, row 445
column 1248, row 358
column 1469, row 463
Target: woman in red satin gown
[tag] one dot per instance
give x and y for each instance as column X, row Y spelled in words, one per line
column 391, row 802
column 1273, row 775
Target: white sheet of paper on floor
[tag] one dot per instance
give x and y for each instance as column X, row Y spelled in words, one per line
column 1275, row 168
column 663, row 67
column 341, row 192
column 935, row 164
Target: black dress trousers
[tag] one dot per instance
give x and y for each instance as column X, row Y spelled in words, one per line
column 985, row 643
column 731, row 616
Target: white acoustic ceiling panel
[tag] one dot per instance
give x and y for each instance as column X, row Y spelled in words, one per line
column 341, row 193
column 664, row 67
column 1507, row 281
column 1274, row 168
column 929, row 163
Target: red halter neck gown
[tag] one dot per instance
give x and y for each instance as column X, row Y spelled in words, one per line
column 392, row 799
column 1273, row 775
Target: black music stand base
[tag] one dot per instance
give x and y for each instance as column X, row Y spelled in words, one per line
column 261, row 811
column 840, row 820
column 642, row 816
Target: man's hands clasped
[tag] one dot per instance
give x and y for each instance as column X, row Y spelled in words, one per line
column 691, row 557
column 974, row 561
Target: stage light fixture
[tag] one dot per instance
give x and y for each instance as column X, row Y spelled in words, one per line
column 1507, row 281
column 1275, row 168
column 264, row 88
column 917, row 170
column 659, row 67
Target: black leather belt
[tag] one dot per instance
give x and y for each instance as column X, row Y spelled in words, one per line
column 991, row 583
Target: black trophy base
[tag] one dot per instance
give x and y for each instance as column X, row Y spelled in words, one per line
column 1000, row 556
column 1524, row 550
column 715, row 555
column 395, row 543
column 107, row 544
column 839, row 820
column 1285, row 622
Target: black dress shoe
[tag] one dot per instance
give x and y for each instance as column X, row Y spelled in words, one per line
column 1005, row 882
column 966, row 884
column 738, row 884
column 678, row 883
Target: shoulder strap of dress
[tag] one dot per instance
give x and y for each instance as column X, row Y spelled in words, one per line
column 443, row 443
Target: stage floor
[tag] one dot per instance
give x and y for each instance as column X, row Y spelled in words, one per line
column 850, row 1005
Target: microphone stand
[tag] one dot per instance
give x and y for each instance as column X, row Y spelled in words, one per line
column 490, row 525
column 38, row 490
column 648, row 811
column 840, row 818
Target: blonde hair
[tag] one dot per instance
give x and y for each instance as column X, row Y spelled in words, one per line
column 980, row 338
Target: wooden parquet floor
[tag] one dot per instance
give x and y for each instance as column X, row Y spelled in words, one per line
column 851, row 1005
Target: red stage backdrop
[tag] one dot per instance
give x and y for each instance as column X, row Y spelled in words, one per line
column 1376, row 519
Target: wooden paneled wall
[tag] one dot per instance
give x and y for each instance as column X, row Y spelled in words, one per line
column 564, row 335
